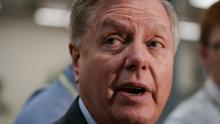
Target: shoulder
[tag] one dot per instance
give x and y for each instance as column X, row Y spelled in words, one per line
column 46, row 106
column 191, row 111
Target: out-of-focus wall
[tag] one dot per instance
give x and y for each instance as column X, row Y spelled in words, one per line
column 29, row 55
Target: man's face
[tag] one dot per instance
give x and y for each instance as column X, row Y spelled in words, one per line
column 125, row 62
column 213, row 54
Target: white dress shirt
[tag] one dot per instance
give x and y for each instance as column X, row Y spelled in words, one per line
column 86, row 113
column 202, row 108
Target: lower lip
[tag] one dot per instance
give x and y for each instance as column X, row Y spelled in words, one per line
column 130, row 98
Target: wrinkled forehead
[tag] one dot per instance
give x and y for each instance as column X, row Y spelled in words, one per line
column 153, row 7
column 135, row 10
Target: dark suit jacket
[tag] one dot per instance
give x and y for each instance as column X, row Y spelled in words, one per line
column 73, row 115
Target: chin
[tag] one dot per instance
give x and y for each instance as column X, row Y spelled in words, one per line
column 135, row 116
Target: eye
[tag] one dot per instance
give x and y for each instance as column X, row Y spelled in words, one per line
column 215, row 46
column 113, row 40
column 154, row 44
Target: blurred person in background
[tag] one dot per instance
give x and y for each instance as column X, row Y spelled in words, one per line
column 3, row 107
column 46, row 105
column 123, row 54
column 204, row 106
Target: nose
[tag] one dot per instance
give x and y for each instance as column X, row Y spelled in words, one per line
column 137, row 59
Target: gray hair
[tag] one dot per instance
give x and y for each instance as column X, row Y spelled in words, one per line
column 173, row 21
column 83, row 11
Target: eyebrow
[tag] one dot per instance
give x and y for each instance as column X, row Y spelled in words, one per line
column 160, row 29
column 121, row 26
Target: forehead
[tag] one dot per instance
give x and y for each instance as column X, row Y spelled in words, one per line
column 138, row 4
column 137, row 11
column 215, row 34
column 136, row 8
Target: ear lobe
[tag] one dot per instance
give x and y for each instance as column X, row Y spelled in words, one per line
column 75, row 55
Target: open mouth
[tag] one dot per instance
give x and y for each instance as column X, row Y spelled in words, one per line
column 132, row 89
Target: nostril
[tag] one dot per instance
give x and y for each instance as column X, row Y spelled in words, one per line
column 134, row 67
column 131, row 67
column 144, row 67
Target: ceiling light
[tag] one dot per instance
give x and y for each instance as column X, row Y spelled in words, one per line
column 189, row 31
column 203, row 4
column 52, row 17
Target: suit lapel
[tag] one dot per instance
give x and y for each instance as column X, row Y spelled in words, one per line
column 73, row 115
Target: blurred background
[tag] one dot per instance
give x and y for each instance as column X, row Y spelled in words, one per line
column 34, row 39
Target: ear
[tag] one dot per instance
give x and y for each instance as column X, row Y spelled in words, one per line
column 75, row 55
column 204, row 53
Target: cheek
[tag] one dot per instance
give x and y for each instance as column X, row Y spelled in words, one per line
column 217, row 59
column 100, row 71
column 215, row 64
column 107, row 66
column 164, row 82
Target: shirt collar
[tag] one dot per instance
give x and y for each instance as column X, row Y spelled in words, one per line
column 213, row 90
column 85, row 112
